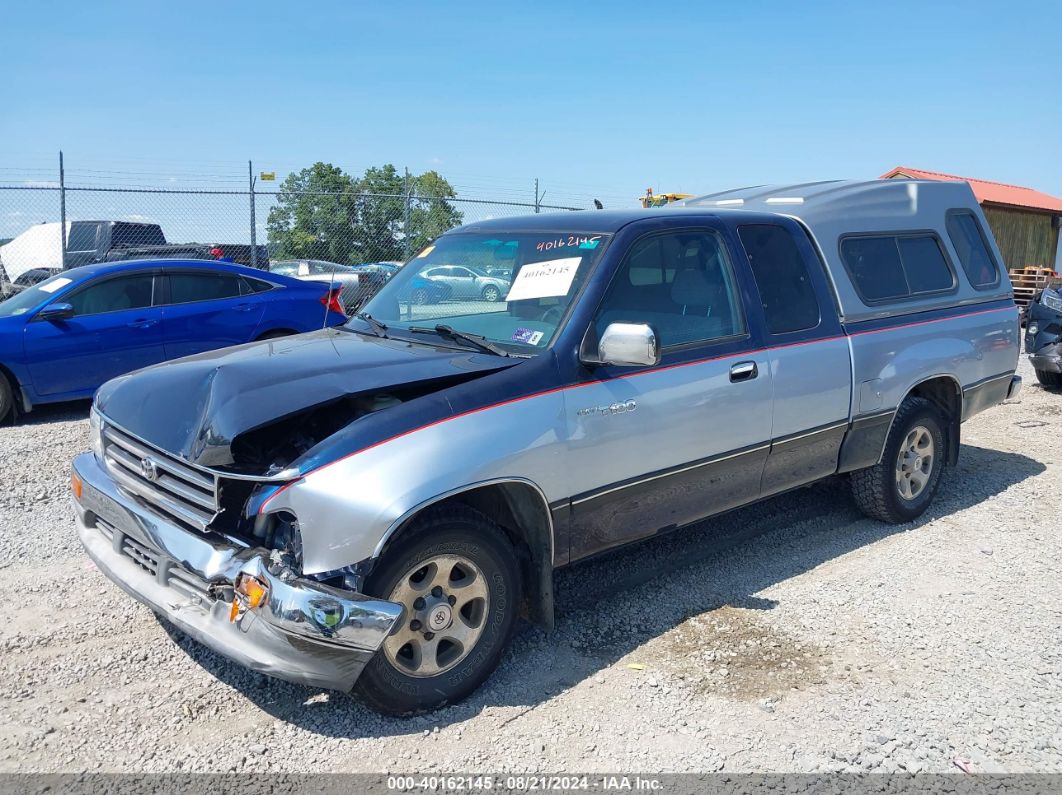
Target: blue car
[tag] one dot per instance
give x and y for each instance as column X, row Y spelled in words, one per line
column 422, row 291
column 64, row 337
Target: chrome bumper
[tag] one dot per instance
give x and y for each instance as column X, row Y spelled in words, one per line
column 305, row 632
column 1014, row 390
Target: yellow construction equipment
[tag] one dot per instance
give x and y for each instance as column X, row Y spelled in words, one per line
column 661, row 199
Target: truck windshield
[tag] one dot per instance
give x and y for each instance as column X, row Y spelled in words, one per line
column 511, row 290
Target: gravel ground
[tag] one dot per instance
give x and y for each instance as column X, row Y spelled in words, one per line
column 790, row 636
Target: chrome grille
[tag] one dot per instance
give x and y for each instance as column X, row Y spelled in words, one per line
column 165, row 571
column 174, row 489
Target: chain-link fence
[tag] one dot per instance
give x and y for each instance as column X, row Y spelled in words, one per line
column 298, row 233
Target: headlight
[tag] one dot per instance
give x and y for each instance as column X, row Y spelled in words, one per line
column 1032, row 329
column 96, row 433
column 1051, row 300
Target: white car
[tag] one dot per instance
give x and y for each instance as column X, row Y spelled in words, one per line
column 354, row 290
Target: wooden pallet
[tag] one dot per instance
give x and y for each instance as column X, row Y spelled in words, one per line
column 1028, row 281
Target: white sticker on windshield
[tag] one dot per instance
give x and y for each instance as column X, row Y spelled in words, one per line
column 55, row 284
column 544, row 279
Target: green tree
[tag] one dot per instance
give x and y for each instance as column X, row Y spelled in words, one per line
column 381, row 214
column 431, row 213
column 323, row 213
column 315, row 215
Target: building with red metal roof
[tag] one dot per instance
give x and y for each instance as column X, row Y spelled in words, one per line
column 1024, row 221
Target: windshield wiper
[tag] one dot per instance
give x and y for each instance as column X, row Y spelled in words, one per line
column 444, row 330
column 378, row 328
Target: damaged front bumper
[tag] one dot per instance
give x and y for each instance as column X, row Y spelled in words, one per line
column 1048, row 358
column 303, row 631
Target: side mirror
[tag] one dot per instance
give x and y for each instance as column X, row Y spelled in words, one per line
column 59, row 311
column 628, row 345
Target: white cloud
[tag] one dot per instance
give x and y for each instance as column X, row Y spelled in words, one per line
column 138, row 218
column 39, row 183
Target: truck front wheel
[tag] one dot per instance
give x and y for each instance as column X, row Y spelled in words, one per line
column 456, row 574
column 7, row 398
column 1049, row 379
column 902, row 485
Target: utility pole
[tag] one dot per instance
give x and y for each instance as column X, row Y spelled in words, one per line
column 405, row 223
column 254, row 246
column 62, row 208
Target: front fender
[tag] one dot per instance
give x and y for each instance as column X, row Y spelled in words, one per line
column 346, row 509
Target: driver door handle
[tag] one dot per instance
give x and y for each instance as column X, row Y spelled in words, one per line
column 743, row 371
column 143, row 323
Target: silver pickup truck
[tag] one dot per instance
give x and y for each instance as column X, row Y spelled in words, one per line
column 370, row 508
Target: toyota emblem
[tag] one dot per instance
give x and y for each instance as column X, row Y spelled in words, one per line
column 149, row 469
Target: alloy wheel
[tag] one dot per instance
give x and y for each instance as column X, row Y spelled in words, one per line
column 446, row 601
column 914, row 462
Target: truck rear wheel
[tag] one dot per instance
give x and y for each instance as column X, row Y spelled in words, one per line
column 456, row 574
column 902, row 485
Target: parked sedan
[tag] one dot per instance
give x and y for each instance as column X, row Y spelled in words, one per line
column 62, row 338
column 385, row 269
column 421, row 291
column 353, row 290
column 468, row 283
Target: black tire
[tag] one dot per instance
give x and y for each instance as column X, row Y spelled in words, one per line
column 876, row 489
column 491, row 293
column 384, row 685
column 1049, row 379
column 420, row 296
column 7, row 398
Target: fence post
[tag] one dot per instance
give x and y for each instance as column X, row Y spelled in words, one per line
column 537, row 206
column 62, row 210
column 405, row 222
column 254, row 246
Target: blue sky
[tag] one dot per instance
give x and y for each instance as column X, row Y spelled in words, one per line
column 594, row 98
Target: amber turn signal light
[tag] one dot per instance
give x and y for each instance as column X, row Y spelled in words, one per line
column 75, row 486
column 250, row 592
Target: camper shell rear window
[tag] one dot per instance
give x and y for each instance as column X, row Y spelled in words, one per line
column 968, row 240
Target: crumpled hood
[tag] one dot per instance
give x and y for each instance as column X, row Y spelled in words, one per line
column 195, row 407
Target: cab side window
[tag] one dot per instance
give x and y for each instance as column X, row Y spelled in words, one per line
column 113, row 295
column 786, row 291
column 681, row 284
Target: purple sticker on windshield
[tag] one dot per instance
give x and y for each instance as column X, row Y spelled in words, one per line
column 530, row 336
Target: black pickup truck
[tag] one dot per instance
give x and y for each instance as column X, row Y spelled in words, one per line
column 37, row 253
column 112, row 241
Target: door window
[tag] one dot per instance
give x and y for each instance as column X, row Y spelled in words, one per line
column 113, row 295
column 186, row 288
column 681, row 284
column 82, row 236
column 786, row 291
